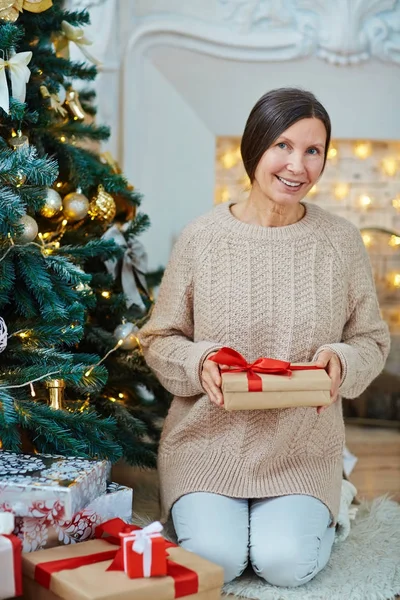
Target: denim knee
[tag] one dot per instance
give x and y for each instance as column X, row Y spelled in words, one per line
column 286, row 563
column 233, row 559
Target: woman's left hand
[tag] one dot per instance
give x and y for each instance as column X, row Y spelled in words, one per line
column 331, row 363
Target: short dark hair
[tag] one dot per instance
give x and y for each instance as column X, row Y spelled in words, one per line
column 275, row 112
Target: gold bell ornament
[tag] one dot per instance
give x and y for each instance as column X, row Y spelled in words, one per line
column 56, row 389
column 73, row 105
column 102, row 206
column 75, row 206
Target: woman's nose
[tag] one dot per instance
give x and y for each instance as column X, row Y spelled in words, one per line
column 295, row 164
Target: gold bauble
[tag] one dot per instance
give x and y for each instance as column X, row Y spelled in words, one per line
column 102, row 206
column 10, row 10
column 53, row 204
column 128, row 333
column 75, row 206
column 30, row 230
column 37, row 6
column 20, row 179
column 56, row 393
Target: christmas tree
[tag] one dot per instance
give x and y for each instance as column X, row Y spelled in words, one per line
column 73, row 282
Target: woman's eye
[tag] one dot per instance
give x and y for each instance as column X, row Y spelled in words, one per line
column 312, row 151
column 282, row 145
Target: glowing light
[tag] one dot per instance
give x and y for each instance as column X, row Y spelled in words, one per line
column 363, row 150
column 396, row 202
column 111, row 399
column 23, row 334
column 394, row 241
column 231, row 158
column 365, row 201
column 396, row 280
column 59, row 184
column 106, row 294
column 222, row 195
column 389, row 166
column 341, row 191
column 121, row 395
column 88, row 372
column 33, row 393
column 367, row 239
column 332, row 153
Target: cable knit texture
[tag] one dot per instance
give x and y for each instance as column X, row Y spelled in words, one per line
column 280, row 292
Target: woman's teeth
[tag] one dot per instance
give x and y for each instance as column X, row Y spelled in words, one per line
column 289, row 183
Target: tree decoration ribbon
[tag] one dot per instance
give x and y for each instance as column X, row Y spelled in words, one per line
column 133, row 268
column 3, row 335
column 55, row 103
column 69, row 33
column 238, row 364
column 19, row 73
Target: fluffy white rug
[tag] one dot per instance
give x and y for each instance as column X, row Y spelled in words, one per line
column 366, row 566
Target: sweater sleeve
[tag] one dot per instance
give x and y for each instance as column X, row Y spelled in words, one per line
column 365, row 342
column 167, row 338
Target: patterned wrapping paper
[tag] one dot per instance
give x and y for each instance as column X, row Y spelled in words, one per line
column 51, row 530
column 32, row 485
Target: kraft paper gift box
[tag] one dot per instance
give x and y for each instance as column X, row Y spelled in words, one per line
column 35, row 485
column 269, row 383
column 79, row 572
column 52, row 530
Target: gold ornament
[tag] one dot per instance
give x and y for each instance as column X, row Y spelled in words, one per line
column 30, row 230
column 102, row 206
column 20, row 179
column 56, row 389
column 18, row 140
column 75, row 206
column 73, row 105
column 52, row 205
column 55, row 103
column 127, row 332
column 122, row 204
column 10, row 10
column 37, row 6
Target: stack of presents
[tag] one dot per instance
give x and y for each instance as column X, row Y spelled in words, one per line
column 50, row 503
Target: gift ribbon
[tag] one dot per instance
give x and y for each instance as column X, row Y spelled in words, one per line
column 10, row 566
column 186, row 581
column 20, row 74
column 271, row 366
column 142, row 544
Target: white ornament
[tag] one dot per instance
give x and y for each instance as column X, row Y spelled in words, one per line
column 3, row 335
column 128, row 333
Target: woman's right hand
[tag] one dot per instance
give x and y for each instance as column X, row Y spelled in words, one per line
column 211, row 380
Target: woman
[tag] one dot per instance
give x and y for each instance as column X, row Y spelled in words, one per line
column 276, row 277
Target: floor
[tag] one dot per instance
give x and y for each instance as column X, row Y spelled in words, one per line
column 377, row 471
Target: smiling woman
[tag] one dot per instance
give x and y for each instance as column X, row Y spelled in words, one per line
column 277, row 277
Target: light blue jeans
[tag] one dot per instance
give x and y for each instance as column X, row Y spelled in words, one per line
column 288, row 539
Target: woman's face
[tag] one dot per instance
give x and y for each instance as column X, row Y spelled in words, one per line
column 292, row 165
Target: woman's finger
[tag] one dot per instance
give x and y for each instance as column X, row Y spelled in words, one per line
column 214, row 391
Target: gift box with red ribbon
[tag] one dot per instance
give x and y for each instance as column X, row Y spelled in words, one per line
column 269, row 383
column 96, row 569
column 10, row 559
column 144, row 552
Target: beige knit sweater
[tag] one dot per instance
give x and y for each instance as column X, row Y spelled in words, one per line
column 280, row 292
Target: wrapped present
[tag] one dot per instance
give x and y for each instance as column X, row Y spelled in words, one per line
column 268, row 383
column 35, row 485
column 144, row 552
column 52, row 529
column 10, row 559
column 94, row 570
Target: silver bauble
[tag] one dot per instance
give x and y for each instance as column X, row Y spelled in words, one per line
column 30, row 230
column 75, row 206
column 53, row 204
column 128, row 333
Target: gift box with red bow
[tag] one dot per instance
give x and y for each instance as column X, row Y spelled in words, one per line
column 97, row 569
column 10, row 559
column 268, row 383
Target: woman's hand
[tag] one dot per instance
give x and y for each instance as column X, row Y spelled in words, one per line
column 332, row 365
column 211, row 380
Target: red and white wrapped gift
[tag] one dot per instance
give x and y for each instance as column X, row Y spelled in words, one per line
column 10, row 559
column 144, row 552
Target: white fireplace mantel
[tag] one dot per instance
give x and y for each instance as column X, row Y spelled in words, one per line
column 192, row 70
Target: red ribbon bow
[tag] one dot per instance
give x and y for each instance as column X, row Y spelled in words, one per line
column 186, row 581
column 232, row 358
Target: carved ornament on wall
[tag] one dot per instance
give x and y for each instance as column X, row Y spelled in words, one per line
column 342, row 32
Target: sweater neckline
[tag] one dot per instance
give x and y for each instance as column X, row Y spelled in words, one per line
column 299, row 229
